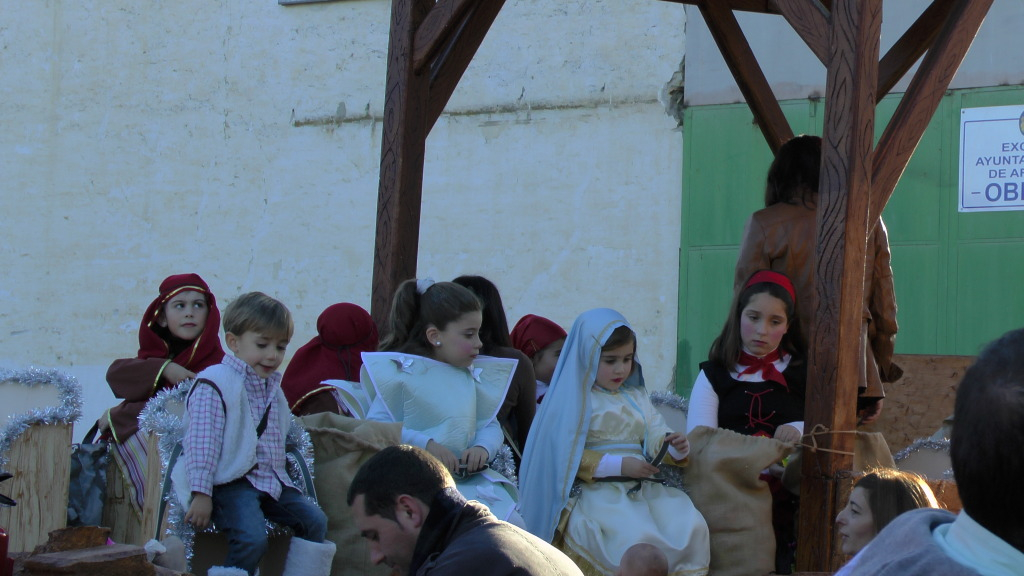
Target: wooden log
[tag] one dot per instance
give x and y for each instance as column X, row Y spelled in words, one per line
column 116, row 560
column 40, row 459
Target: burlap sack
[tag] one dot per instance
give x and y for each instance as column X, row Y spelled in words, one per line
column 871, row 451
column 722, row 480
column 340, row 446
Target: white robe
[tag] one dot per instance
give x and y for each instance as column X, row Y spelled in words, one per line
column 605, row 520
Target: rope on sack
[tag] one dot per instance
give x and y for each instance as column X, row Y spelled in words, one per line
column 821, row 430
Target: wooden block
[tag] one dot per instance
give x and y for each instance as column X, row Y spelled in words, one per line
column 40, row 459
column 74, row 538
column 116, row 560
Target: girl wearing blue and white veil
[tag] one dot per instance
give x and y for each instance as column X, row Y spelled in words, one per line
column 586, row 480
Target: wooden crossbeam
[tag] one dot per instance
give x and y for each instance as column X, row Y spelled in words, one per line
column 748, row 74
column 915, row 111
column 842, row 220
column 760, row 6
column 437, row 30
column 809, row 18
column 911, row 45
column 452, row 62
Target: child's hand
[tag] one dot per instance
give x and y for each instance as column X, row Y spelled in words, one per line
column 175, row 373
column 680, row 442
column 787, row 433
column 199, row 512
column 637, row 468
column 444, row 455
column 474, row 458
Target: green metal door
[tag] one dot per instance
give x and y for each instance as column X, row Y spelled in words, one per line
column 958, row 275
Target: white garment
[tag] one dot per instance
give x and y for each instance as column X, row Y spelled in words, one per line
column 703, row 407
column 971, row 544
column 455, row 407
column 605, row 520
column 238, row 456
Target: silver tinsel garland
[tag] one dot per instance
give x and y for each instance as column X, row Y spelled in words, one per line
column 161, row 416
column 504, row 464
column 69, row 411
column 929, row 445
column 670, row 399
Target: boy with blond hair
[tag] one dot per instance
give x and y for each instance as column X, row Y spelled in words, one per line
column 236, row 422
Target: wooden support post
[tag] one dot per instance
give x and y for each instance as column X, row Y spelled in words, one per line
column 431, row 46
column 844, row 195
column 401, row 160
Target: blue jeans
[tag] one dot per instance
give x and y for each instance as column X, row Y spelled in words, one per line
column 240, row 511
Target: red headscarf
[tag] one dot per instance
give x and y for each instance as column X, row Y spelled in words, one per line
column 155, row 341
column 534, row 333
column 345, row 331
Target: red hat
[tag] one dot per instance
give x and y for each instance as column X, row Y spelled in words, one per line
column 534, row 333
column 344, row 332
column 154, row 339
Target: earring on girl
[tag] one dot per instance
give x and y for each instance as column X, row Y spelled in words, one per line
column 438, row 343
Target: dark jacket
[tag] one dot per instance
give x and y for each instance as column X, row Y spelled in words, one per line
column 782, row 237
column 460, row 537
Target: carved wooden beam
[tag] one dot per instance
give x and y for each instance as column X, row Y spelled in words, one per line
column 842, row 215
column 911, row 45
column 748, row 74
column 401, row 160
column 431, row 45
column 457, row 53
column 437, row 30
column 809, row 18
column 758, row 6
column 915, row 110
column 761, row 6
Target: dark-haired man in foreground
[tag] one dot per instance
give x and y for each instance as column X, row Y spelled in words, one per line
column 405, row 503
column 987, row 537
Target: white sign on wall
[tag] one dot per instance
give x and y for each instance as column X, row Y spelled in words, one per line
column 992, row 158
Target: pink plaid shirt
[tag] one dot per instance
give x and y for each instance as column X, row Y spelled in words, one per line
column 204, row 438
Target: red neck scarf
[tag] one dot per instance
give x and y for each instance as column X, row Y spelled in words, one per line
column 345, row 331
column 155, row 340
column 765, row 365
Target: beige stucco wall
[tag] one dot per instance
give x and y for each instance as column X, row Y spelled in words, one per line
column 241, row 140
